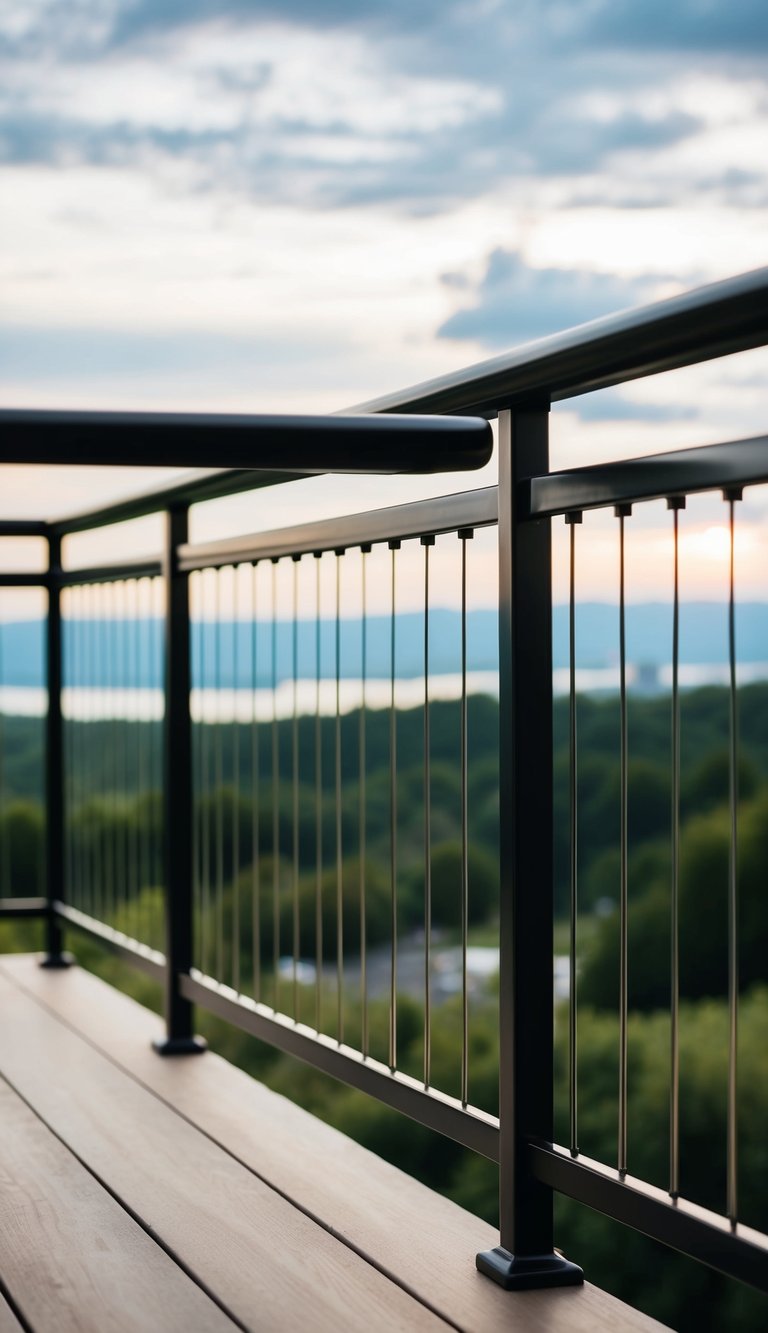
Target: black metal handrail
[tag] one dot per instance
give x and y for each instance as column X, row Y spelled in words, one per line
column 712, row 321
column 448, row 513
column 297, row 445
column 519, row 387
column 655, row 477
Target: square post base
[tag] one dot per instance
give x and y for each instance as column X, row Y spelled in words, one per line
column 180, row 1045
column 57, row 960
column 527, row 1272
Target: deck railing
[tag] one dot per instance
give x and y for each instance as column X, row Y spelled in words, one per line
column 264, row 619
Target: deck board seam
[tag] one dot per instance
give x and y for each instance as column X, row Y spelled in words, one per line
column 126, row 1207
column 283, row 1194
column 7, row 1295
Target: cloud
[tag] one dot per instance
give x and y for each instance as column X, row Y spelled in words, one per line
column 560, row 145
column 96, row 28
column 514, row 303
column 422, row 106
column 146, row 18
column 61, row 141
column 737, row 26
column 427, row 144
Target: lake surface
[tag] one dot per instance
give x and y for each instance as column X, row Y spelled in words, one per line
column 228, row 704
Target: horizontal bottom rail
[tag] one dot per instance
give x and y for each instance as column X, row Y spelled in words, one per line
column 471, row 1127
column 34, row 907
column 741, row 1253
column 140, row 955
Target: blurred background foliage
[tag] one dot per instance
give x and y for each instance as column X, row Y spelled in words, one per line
column 682, row 1294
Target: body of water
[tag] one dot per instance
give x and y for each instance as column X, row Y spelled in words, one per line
column 226, row 705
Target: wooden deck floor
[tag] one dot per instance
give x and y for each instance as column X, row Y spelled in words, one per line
column 146, row 1194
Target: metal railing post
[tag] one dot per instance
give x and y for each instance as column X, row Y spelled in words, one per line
column 525, row 1256
column 177, row 796
column 54, row 768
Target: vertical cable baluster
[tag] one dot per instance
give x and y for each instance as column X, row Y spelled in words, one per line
column 146, row 833
column 318, row 804
column 362, row 808
column 137, row 696
column 732, row 1185
column 68, row 657
column 89, row 708
column 675, row 504
column 120, row 730
column 275, row 805
column 295, row 781
column 104, row 750
column 206, row 750
column 145, row 713
column 129, row 739
column 145, row 828
column 394, row 547
column 219, row 793
column 427, row 542
column 86, row 713
column 339, row 845
column 145, row 633
column 622, row 512
column 144, row 728
column 68, row 667
column 194, row 677
column 235, row 785
column 122, row 724
column 69, row 736
column 68, row 741
column 572, row 520
column 70, row 631
column 95, row 705
column 124, row 694
column 88, row 751
column 128, row 663
column 94, row 689
column 78, row 659
column 114, row 656
column 464, row 535
column 195, row 686
column 255, row 794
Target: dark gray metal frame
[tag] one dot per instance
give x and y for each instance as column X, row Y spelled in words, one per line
column 712, row 322
column 525, row 1256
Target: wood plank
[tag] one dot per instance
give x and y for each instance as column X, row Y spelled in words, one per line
column 268, row 1263
column 73, row 1260
column 427, row 1242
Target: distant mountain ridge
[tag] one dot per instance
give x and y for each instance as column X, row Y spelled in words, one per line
column 703, row 641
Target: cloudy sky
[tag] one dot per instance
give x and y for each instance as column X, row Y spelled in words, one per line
column 247, row 205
